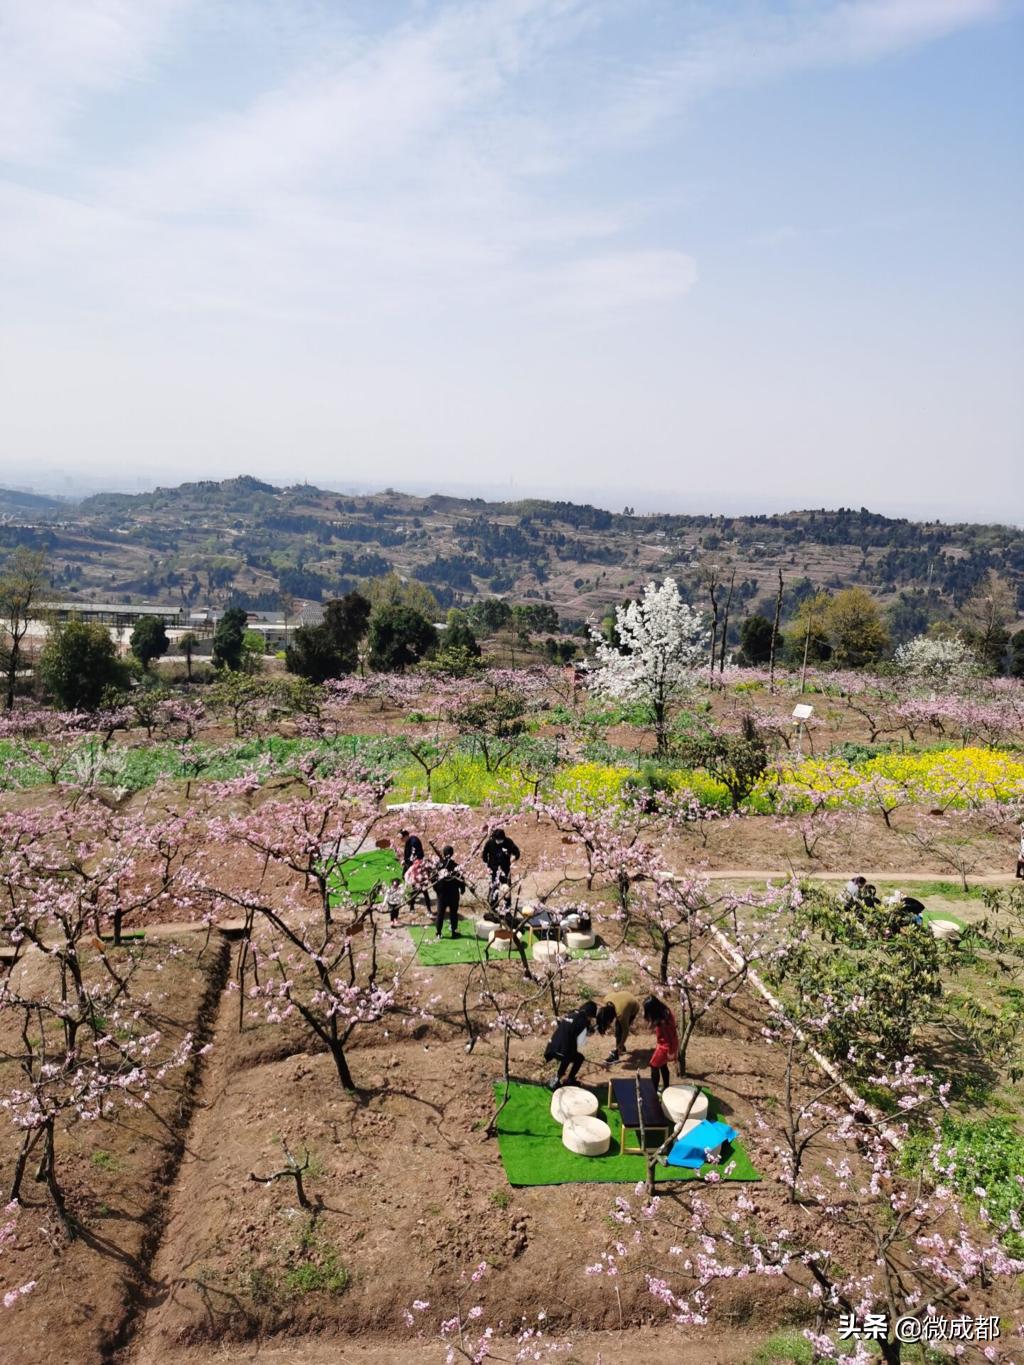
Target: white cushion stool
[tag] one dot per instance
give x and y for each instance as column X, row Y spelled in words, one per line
column 547, row 950
column 575, row 938
column 688, row 1127
column 944, row 929
column 573, row 1102
column 676, row 1098
column 485, row 928
column 501, row 939
column 586, row 1136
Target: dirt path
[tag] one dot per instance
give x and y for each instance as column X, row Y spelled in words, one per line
column 188, row 1189
column 760, row 874
column 638, row 1346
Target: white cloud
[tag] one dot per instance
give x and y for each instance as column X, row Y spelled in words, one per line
column 338, row 213
column 57, row 54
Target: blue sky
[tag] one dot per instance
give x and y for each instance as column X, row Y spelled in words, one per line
column 699, row 256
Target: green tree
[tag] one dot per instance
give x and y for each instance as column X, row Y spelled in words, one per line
column 490, row 615
column 459, row 633
column 735, row 760
column 399, row 637
column 253, row 648
column 229, row 639
column 330, row 649
column 870, row 977
column 312, row 654
column 756, row 639
column 986, row 617
column 346, row 620
column 392, row 591
column 149, row 640
column 79, row 664
column 22, row 581
column 1017, row 655
column 855, row 628
column 454, row 661
column 806, row 636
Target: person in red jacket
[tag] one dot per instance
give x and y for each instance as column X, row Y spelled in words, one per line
column 663, row 1022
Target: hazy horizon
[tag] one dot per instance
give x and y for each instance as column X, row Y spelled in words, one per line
column 610, row 499
column 715, row 257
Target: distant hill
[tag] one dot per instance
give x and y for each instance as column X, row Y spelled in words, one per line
column 13, row 502
column 247, row 541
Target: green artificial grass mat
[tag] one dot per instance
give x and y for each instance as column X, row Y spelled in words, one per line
column 468, row 948
column 359, row 874
column 927, row 915
column 530, row 1143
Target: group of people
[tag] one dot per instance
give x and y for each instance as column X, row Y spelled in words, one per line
column 445, row 878
column 618, row 1011
column 905, row 909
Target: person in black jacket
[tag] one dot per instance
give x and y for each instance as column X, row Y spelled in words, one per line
column 412, row 848
column 449, row 885
column 498, row 854
column 567, row 1041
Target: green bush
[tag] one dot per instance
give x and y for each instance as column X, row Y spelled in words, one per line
column 986, row 1154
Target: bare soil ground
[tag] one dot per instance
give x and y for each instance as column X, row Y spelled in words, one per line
column 116, row 1175
column 185, row 1259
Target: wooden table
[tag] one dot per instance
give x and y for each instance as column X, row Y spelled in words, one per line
column 623, row 1096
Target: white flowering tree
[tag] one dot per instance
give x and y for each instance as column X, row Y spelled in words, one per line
column 936, row 663
column 662, row 642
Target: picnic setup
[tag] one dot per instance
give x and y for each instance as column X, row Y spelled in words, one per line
column 605, row 1133
column 542, row 934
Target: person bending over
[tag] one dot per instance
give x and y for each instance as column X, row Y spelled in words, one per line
column 619, row 1009
column 663, row 1022
column 567, row 1042
column 412, row 848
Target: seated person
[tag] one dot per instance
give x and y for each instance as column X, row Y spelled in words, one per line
column 567, row 1042
column 854, row 890
column 905, row 909
column 620, row 1008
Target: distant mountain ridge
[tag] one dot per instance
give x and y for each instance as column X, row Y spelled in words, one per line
column 248, row 541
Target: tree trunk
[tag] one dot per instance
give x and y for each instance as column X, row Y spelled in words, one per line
column 12, row 673
column 340, row 1062
column 775, row 637
column 49, row 1174
column 27, row 1143
column 725, row 623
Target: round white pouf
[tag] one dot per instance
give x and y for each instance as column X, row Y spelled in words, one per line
column 689, row 1126
column 944, row 928
column 573, row 1102
column 675, row 1098
column 577, row 939
column 485, row 928
column 547, row 950
column 586, row 1136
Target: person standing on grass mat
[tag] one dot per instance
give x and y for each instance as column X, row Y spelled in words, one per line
column 449, row 885
column 567, row 1042
column 620, row 1008
column 498, row 854
column 666, row 1037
